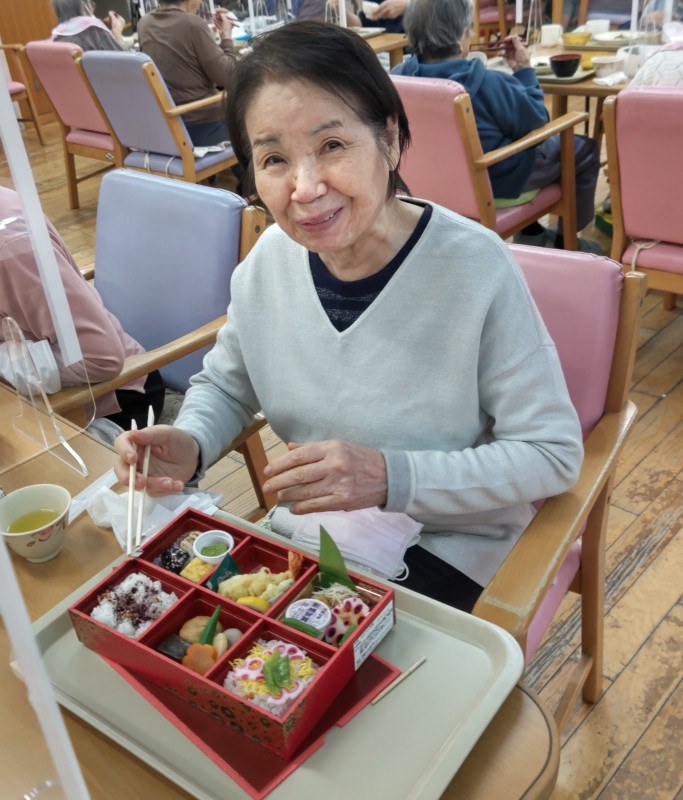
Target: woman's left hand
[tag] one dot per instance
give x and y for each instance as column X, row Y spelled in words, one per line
column 328, row 476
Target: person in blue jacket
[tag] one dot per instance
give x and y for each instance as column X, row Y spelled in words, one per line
column 506, row 107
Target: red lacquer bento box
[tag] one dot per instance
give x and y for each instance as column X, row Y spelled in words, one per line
column 317, row 670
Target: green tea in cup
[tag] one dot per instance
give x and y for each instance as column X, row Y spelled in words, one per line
column 33, row 520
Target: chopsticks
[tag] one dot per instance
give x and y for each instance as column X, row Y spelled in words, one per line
column 500, row 44
column 143, row 494
column 131, row 500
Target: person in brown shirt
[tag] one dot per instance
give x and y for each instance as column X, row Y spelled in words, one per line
column 192, row 64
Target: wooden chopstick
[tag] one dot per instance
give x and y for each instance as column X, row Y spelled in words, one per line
column 143, row 494
column 131, row 500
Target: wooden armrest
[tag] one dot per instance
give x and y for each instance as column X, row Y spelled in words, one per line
column 259, row 422
column 563, row 123
column 138, row 365
column 514, row 594
column 212, row 100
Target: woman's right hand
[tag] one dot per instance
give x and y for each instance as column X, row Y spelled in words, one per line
column 173, row 458
column 516, row 53
column 224, row 22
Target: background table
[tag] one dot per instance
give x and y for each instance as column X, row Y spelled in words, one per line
column 392, row 43
column 517, row 756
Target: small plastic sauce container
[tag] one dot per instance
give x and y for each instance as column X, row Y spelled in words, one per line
column 313, row 612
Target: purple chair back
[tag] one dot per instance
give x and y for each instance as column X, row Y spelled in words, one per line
column 128, row 101
column 55, row 68
column 150, row 230
column 435, row 164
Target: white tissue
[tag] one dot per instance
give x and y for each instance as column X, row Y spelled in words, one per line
column 110, row 510
column 612, row 80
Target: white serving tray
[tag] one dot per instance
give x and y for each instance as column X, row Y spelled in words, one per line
column 408, row 746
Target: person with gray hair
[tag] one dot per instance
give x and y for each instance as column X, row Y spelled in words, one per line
column 77, row 23
column 506, row 107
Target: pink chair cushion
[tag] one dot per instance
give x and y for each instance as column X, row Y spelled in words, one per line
column 666, row 257
column 56, row 70
column 100, row 141
column 15, row 87
column 561, row 283
column 490, row 14
column 648, row 125
column 584, row 341
column 507, row 218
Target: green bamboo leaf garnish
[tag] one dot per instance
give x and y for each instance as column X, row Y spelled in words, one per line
column 331, row 563
column 352, row 627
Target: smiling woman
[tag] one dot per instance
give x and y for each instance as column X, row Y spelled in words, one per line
column 391, row 343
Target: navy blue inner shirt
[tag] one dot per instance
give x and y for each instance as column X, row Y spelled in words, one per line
column 345, row 301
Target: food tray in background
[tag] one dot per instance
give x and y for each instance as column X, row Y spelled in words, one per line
column 580, row 75
column 283, row 732
column 368, row 33
column 470, row 669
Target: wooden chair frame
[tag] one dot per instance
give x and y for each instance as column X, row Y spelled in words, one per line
column 670, row 283
column 479, row 162
column 23, row 73
column 72, row 402
column 172, row 114
column 511, row 602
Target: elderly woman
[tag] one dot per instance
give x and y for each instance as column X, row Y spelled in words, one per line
column 391, row 343
column 179, row 42
column 506, row 107
column 78, row 24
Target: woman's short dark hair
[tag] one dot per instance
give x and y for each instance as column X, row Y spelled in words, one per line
column 66, row 9
column 333, row 58
column 436, row 27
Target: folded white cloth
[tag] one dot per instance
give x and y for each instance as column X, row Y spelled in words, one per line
column 110, row 510
column 612, row 80
column 200, row 152
column 369, row 538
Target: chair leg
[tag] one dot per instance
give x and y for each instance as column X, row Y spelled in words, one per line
column 593, row 592
column 71, row 181
column 668, row 301
column 36, row 119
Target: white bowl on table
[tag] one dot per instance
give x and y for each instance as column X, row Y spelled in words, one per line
column 607, row 65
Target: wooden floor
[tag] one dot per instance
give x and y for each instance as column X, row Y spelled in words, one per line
column 630, row 743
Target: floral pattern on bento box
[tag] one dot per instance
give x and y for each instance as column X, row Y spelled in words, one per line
column 263, row 641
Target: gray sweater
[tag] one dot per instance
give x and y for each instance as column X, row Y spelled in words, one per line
column 450, row 373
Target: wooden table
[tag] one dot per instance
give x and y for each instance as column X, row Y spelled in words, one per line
column 517, row 756
column 392, row 43
column 561, row 92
